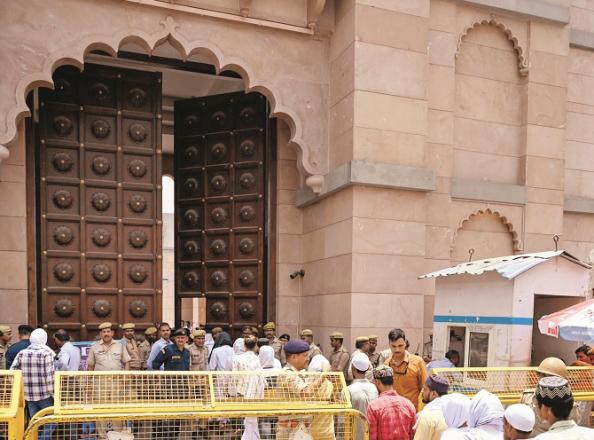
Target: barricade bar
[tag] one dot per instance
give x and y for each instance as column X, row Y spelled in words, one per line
column 509, row 383
column 12, row 412
column 339, row 424
column 190, row 391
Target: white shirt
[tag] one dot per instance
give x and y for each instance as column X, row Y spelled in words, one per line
column 68, row 358
column 249, row 385
column 221, row 359
column 362, row 392
column 566, row 430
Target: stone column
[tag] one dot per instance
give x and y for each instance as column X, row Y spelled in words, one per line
column 545, row 134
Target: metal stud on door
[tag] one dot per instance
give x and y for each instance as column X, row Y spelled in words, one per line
column 99, row 205
column 220, row 156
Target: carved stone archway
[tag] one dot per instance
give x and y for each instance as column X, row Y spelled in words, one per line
column 517, row 41
column 516, row 244
column 296, row 90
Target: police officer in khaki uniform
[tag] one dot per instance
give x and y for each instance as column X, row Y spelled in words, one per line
column 198, row 352
column 274, row 342
column 132, row 346
column 373, row 354
column 307, row 336
column 144, row 348
column 550, row 366
column 5, row 337
column 339, row 358
column 107, row 354
column 361, row 346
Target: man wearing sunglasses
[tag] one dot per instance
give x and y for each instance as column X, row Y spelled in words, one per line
column 409, row 370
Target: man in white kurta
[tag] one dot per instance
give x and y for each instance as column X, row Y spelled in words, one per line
column 249, row 386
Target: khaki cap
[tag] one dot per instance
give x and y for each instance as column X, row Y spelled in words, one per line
column 199, row 333
column 336, row 335
column 362, row 339
column 217, row 330
column 150, row 331
column 5, row 329
column 105, row 325
column 306, row 332
column 269, row 326
column 553, row 366
column 373, row 337
column 128, row 326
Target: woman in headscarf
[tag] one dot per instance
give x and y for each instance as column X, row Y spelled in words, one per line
column 455, row 409
column 267, row 359
column 222, row 355
column 238, row 346
column 485, row 417
column 322, row 427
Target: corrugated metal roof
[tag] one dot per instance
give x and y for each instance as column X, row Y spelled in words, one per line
column 508, row 267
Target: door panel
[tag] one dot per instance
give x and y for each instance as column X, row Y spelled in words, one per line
column 100, row 192
column 220, row 169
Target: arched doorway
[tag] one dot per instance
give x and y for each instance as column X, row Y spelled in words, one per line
column 105, row 137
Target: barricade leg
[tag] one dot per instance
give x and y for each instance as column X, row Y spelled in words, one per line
column 34, row 407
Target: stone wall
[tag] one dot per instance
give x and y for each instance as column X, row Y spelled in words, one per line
column 471, row 120
column 13, row 237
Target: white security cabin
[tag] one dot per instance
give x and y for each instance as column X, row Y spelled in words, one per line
column 488, row 310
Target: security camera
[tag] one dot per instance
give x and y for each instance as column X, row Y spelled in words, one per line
column 299, row 273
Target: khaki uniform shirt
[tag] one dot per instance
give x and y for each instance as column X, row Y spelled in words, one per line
column 112, row 357
column 144, row 349
column 374, row 359
column 198, row 358
column 313, row 351
column 277, row 346
column 368, row 373
column 3, row 349
column 339, row 361
column 134, row 352
column 384, row 355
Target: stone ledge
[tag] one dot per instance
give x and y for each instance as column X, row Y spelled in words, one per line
column 375, row 174
column 529, row 8
column 488, row 191
column 578, row 204
column 581, row 39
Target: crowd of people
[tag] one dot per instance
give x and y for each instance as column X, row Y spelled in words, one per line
column 393, row 388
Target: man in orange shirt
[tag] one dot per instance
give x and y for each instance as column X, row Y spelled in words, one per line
column 409, row 370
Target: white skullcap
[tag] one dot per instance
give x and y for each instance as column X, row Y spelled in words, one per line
column 520, row 417
column 361, row 362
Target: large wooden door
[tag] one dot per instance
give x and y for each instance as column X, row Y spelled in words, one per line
column 220, row 175
column 100, row 199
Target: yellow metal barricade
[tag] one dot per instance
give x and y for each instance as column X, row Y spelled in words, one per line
column 133, row 391
column 319, row 424
column 12, row 411
column 510, row 383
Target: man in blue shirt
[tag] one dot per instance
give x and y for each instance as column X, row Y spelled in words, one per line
column 69, row 355
column 174, row 357
column 451, row 360
column 13, row 350
column 165, row 340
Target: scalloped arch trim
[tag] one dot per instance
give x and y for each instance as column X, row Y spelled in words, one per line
column 517, row 246
column 520, row 51
column 110, row 43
